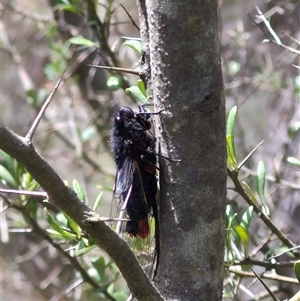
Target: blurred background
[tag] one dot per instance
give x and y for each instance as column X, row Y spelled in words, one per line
column 37, row 45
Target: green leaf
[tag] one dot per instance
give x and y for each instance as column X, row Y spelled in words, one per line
column 229, row 217
column 87, row 133
column 98, row 201
column 32, row 207
column 246, row 218
column 83, row 251
column 81, row 41
column 73, row 225
column 28, row 181
column 137, row 93
column 231, row 159
column 69, row 7
column 54, row 225
column 297, row 269
column 231, row 121
column 141, row 86
column 243, row 236
column 293, row 160
column 114, row 83
column 8, row 162
column 7, row 177
column 231, row 155
column 249, row 192
column 100, row 267
column 79, row 191
column 136, row 45
column 260, row 186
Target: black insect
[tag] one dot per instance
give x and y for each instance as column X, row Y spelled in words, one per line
column 132, row 145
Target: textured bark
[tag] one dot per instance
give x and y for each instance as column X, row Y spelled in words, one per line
column 186, row 80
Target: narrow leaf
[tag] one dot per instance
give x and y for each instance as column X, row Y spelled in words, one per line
column 81, row 41
column 242, row 234
column 141, row 86
column 293, row 160
column 246, row 218
column 231, row 121
column 83, row 251
column 79, row 191
column 54, row 225
column 230, row 129
column 8, row 162
column 297, row 269
column 114, row 83
column 73, row 225
column 100, row 267
column 243, row 237
column 249, row 193
column 231, row 159
column 137, row 93
column 260, row 185
column 98, row 201
column 229, row 217
column 135, row 45
column 7, row 177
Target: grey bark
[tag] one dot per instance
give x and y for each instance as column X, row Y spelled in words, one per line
column 184, row 71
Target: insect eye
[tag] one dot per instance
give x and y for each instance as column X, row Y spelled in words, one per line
column 119, row 119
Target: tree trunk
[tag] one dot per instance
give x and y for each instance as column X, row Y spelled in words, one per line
column 182, row 61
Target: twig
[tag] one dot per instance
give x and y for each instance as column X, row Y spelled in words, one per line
column 240, row 190
column 265, row 264
column 273, row 179
column 267, row 23
column 36, row 122
column 124, row 70
column 249, row 155
column 37, row 194
column 266, row 287
column 264, row 276
column 60, row 295
column 292, row 38
column 130, row 17
column 284, row 252
column 274, row 38
column 39, row 231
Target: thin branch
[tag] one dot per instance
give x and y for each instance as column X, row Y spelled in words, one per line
column 249, row 155
column 130, row 17
column 67, row 290
column 264, row 276
column 267, row 23
column 39, row 231
column 265, row 264
column 292, row 38
column 285, row 251
column 37, row 194
column 240, row 190
column 273, row 38
column 124, row 70
column 265, row 286
column 66, row 199
column 41, row 113
column 273, row 179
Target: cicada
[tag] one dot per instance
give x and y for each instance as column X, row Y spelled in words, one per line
column 133, row 148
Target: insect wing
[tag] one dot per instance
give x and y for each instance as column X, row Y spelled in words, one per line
column 137, row 207
column 124, row 175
